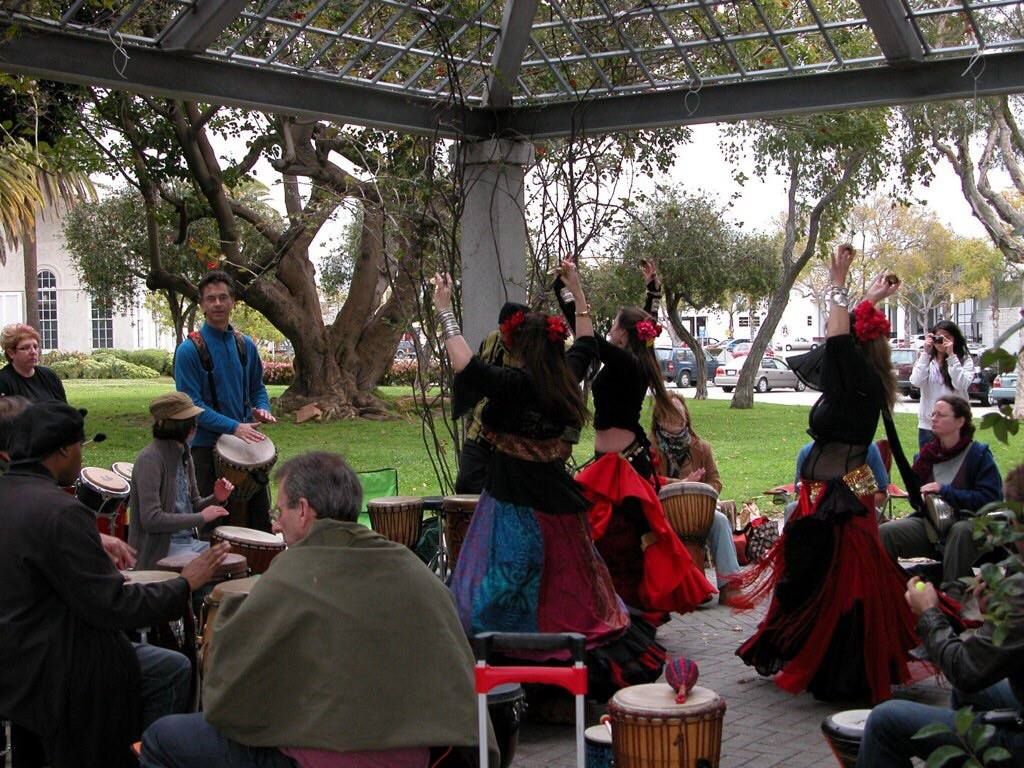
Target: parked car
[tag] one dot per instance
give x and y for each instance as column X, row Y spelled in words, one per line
column 406, row 350
column 773, row 373
column 1004, row 389
column 743, row 348
column 799, row 343
column 731, row 344
column 679, row 366
column 903, row 361
column 711, row 344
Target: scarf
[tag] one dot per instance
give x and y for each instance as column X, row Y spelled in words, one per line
column 675, row 447
column 933, row 453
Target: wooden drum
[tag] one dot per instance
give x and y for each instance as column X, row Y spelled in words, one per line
column 844, row 731
column 690, row 510
column 246, row 465
column 211, row 604
column 458, row 511
column 258, row 547
column 231, row 567
column 397, row 518
column 650, row 730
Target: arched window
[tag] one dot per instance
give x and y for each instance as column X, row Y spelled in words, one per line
column 102, row 325
column 46, row 283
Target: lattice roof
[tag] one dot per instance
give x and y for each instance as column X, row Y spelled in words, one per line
column 526, row 66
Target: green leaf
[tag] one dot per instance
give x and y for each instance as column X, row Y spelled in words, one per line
column 963, row 720
column 995, row 754
column 999, row 634
column 979, row 735
column 943, row 755
column 931, row 730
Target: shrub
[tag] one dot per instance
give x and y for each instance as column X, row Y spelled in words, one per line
column 278, row 373
column 404, row 373
column 160, row 360
column 57, row 356
column 102, row 365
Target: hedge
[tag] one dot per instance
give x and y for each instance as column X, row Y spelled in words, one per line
column 101, row 366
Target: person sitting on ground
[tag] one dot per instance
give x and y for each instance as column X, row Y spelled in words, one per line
column 985, row 674
column 681, row 455
column 961, row 472
column 67, row 671
column 23, row 375
column 328, row 650
column 165, row 502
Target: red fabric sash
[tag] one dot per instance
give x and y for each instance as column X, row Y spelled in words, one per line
column 671, row 581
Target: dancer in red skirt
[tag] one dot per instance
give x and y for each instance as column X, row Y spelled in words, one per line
column 837, row 624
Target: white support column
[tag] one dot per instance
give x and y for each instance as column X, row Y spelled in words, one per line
column 492, row 231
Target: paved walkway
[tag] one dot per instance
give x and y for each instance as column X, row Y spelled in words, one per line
column 763, row 726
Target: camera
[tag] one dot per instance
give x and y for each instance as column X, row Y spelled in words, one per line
column 937, row 341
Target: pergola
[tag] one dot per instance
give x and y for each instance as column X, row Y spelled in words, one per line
column 498, row 75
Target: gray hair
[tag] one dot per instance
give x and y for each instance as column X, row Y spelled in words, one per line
column 326, row 481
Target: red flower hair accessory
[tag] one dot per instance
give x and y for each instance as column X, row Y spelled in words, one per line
column 508, row 328
column 647, row 331
column 557, row 330
column 869, row 322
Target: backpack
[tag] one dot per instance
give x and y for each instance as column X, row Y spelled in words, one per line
column 206, row 361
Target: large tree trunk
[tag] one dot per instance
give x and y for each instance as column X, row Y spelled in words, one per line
column 701, row 392
column 28, row 249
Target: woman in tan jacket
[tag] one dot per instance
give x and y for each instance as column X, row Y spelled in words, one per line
column 680, row 454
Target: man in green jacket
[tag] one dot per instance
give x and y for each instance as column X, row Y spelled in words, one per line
column 346, row 648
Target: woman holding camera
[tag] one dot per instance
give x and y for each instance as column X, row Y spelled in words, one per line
column 944, row 367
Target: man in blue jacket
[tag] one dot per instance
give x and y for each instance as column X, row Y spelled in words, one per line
column 220, row 369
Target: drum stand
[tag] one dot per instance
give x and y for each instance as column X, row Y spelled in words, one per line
column 439, row 560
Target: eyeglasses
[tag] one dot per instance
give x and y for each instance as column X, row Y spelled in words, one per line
column 278, row 510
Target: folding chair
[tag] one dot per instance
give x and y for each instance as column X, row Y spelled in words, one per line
column 892, row 491
column 376, row 484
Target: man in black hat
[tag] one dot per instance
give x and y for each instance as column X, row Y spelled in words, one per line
column 67, row 671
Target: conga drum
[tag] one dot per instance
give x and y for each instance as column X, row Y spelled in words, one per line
column 246, row 465
column 690, row 510
column 843, row 732
column 124, row 469
column 458, row 511
column 598, row 747
column 258, row 547
column 104, row 492
column 397, row 518
column 233, row 566
column 651, row 730
column 147, row 577
column 164, row 634
column 211, row 604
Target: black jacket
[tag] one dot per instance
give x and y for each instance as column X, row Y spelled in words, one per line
column 67, row 670
column 43, row 385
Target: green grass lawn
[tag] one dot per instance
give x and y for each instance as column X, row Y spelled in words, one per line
column 755, row 449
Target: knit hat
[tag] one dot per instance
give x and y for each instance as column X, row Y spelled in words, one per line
column 43, row 429
column 173, row 405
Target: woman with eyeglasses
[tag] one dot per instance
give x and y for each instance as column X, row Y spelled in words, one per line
column 944, row 367
column 963, row 473
column 23, row 375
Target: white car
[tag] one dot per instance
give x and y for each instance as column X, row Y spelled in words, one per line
column 771, row 374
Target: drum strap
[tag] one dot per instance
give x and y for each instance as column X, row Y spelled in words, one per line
column 206, row 360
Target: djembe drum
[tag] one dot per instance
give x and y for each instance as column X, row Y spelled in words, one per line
column 233, row 566
column 397, row 518
column 598, row 747
column 690, row 510
column 843, row 732
column 457, row 511
column 651, row 730
column 247, row 466
column 258, row 547
column 211, row 604
column 104, row 492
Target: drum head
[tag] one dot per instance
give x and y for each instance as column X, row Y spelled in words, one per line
column 104, row 482
column 232, row 587
column 660, row 699
column 460, row 501
column 505, row 692
column 686, row 486
column 239, row 535
column 849, row 723
column 242, row 454
column 395, row 501
column 147, row 577
column 124, row 469
column 598, row 734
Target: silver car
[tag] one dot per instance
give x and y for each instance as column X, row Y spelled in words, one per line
column 1004, row 389
column 773, row 373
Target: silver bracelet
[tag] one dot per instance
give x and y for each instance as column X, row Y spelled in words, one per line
column 566, row 296
column 839, row 295
column 449, row 325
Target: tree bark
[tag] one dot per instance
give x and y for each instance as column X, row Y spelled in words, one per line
column 31, row 257
column 701, row 384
